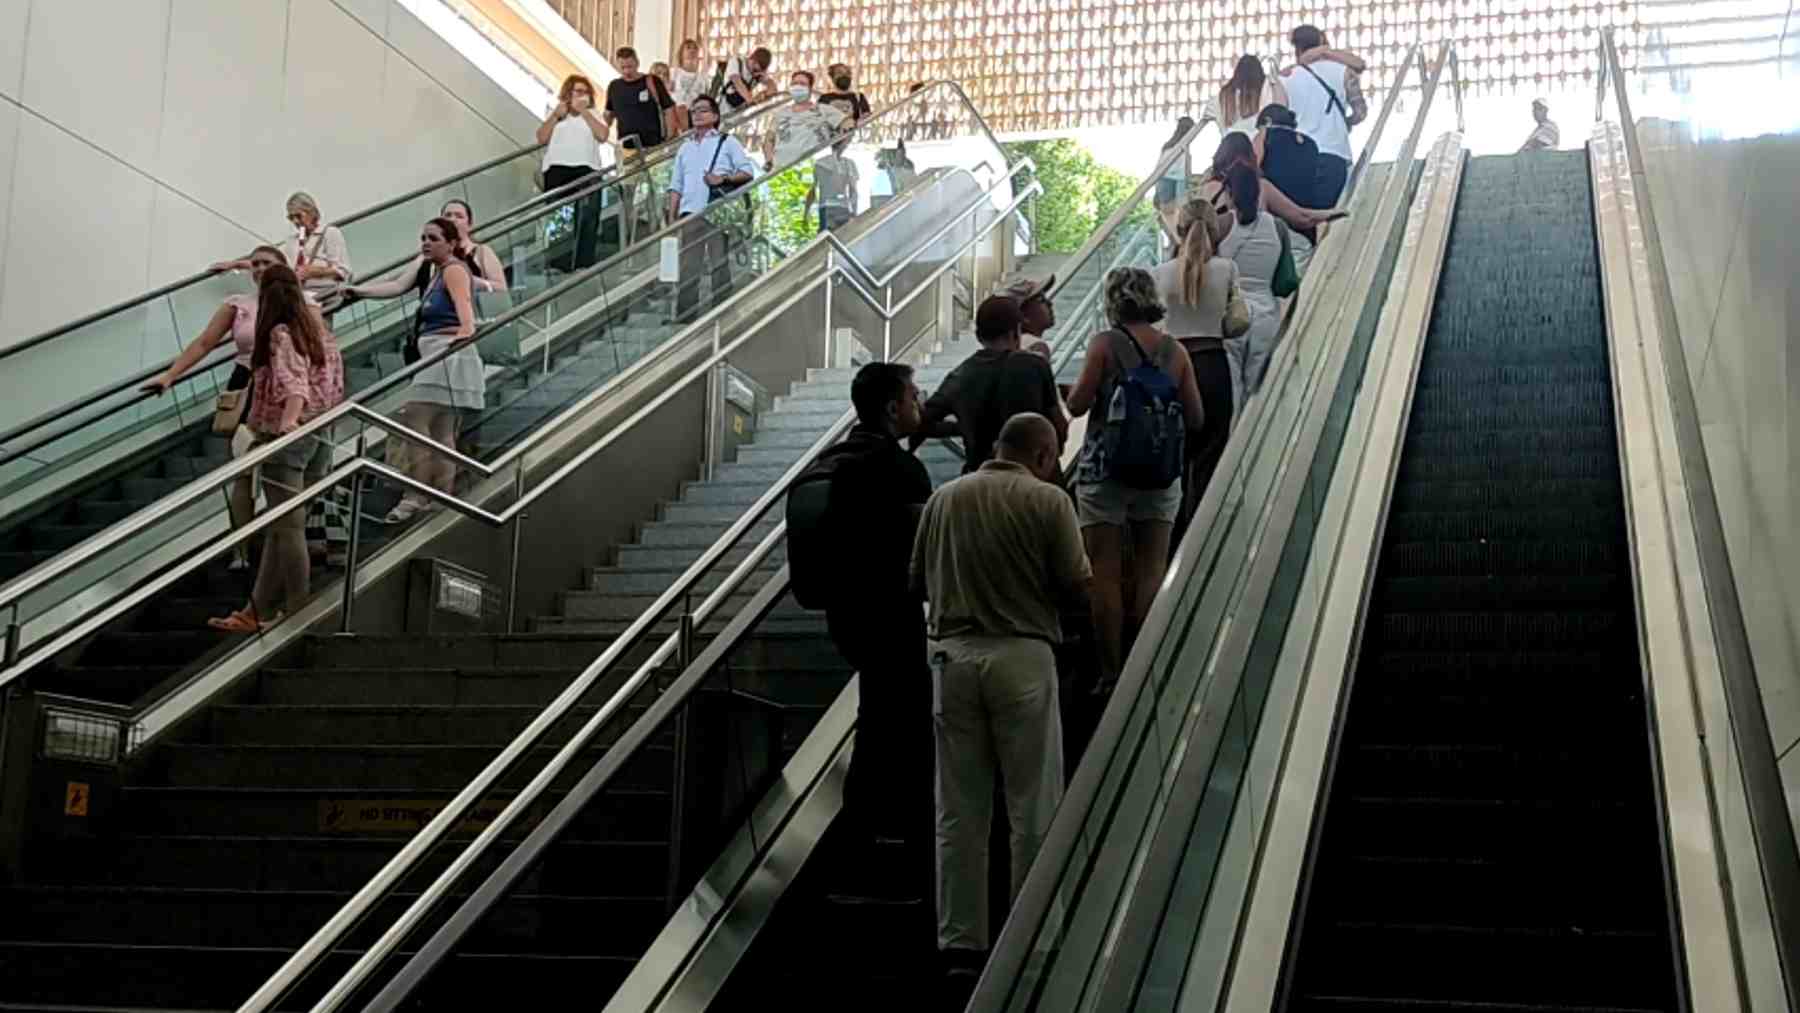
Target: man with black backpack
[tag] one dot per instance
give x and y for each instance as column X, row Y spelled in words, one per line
column 851, row 518
column 992, row 385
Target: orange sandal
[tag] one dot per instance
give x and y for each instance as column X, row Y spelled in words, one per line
column 241, row 622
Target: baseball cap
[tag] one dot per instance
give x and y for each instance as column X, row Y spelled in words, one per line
column 996, row 316
column 1026, row 289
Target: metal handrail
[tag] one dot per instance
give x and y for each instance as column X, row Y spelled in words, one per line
column 1759, row 769
column 448, row 817
column 495, row 885
column 12, row 593
column 1038, row 896
column 547, row 203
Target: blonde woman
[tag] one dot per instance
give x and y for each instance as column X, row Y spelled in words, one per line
column 1206, row 307
column 1111, row 510
column 317, row 252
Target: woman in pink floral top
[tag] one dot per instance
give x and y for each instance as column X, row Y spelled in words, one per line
column 295, row 377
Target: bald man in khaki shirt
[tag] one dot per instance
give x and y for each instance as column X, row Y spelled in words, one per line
column 999, row 555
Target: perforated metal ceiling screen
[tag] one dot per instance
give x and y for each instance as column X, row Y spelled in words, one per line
column 1035, row 65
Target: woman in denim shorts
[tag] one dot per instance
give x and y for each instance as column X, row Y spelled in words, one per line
column 1110, row 510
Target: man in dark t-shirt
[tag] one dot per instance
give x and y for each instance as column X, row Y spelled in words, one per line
column 638, row 104
column 644, row 113
column 991, row 386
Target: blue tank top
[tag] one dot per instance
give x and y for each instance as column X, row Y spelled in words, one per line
column 437, row 312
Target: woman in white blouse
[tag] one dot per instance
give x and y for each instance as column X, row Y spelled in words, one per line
column 317, row 252
column 572, row 136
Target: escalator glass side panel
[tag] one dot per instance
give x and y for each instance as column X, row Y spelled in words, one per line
column 74, row 362
column 542, row 358
column 538, row 240
column 1492, row 802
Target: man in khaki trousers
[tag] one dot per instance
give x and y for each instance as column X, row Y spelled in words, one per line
column 999, row 556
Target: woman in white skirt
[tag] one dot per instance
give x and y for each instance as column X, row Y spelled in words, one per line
column 452, row 380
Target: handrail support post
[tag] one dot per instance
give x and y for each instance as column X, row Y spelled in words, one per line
column 518, row 538
column 357, row 483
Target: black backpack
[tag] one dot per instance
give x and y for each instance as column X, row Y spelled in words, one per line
column 821, row 549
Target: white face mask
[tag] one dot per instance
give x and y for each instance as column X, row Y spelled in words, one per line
column 800, row 92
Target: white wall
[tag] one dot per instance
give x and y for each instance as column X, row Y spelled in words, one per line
column 142, row 139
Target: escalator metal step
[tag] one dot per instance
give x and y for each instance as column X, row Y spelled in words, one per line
column 1490, row 841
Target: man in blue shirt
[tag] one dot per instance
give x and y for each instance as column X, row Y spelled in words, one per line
column 708, row 165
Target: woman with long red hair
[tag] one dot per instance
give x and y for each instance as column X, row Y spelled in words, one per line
column 296, row 374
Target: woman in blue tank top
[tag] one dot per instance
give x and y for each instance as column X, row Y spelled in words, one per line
column 452, row 379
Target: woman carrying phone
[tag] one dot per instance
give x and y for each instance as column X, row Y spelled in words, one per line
column 572, row 136
column 317, row 251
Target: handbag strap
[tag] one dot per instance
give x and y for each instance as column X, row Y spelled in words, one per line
column 1334, row 103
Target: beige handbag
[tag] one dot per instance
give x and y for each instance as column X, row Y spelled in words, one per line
column 228, row 412
column 1237, row 313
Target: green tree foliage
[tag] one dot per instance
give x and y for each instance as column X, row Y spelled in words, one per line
column 783, row 201
column 1079, row 192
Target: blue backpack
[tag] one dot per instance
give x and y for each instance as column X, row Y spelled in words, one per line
column 1145, row 426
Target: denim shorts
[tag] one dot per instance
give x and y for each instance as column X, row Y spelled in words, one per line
column 1115, row 504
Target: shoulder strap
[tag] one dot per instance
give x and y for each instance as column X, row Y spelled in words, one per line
column 710, row 166
column 1333, row 103
column 1139, row 349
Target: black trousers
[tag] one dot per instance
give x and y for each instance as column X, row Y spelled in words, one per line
column 1331, row 175
column 1213, row 375
column 705, row 248
column 890, row 789
column 587, row 216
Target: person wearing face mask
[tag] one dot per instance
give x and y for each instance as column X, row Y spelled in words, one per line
column 317, row 251
column 854, row 103
column 572, row 135
column 999, row 557
column 709, row 165
column 801, row 127
column 234, row 320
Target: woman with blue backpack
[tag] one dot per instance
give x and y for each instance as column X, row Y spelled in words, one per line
column 1128, row 482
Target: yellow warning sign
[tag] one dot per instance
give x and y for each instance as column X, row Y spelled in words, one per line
column 75, row 799
column 737, row 424
column 367, row 816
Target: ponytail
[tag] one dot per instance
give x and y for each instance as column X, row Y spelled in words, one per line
column 1196, row 249
column 1245, row 184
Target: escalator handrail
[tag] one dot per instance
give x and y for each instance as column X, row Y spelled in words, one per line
column 420, row 844
column 13, row 592
column 495, row 885
column 547, row 203
column 1759, row 769
column 1038, row 895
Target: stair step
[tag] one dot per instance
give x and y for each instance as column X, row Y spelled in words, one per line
column 335, row 767
column 328, row 862
column 174, row 976
column 260, row 811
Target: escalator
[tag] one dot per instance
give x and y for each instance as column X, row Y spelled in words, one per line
column 245, row 822
column 553, row 339
column 70, row 472
column 1493, row 803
